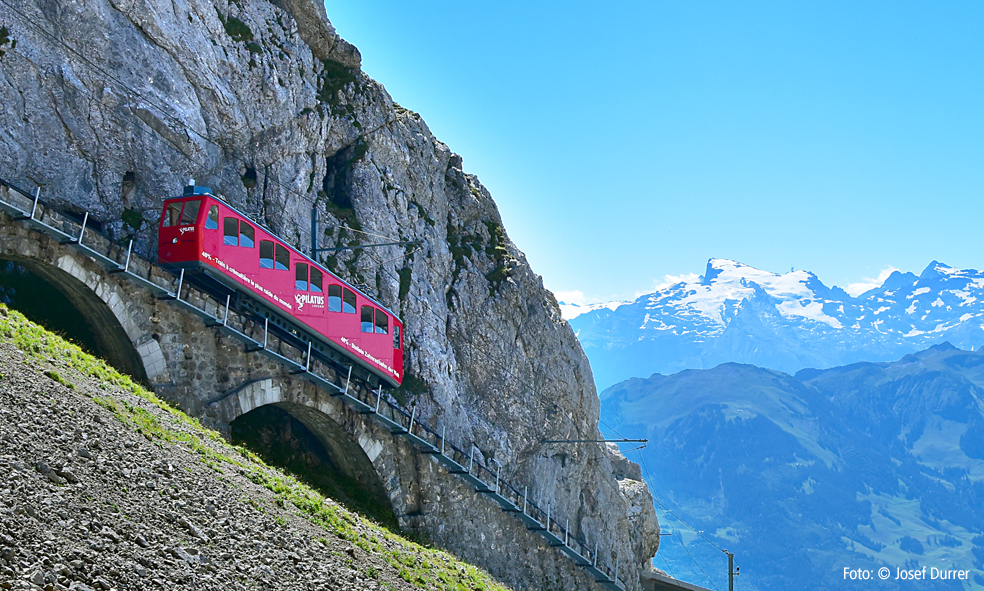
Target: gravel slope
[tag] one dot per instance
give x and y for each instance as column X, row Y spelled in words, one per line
column 102, row 486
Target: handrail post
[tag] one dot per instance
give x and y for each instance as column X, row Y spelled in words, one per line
column 379, row 399
column 225, row 317
column 177, row 294
column 526, row 490
column 266, row 325
column 82, row 231
column 567, row 526
column 413, row 412
column 308, row 367
column 129, row 250
column 37, row 196
column 498, row 470
column 595, row 555
column 347, row 380
column 548, row 518
column 444, row 430
column 471, row 457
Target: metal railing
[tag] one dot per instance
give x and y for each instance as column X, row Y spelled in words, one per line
column 306, row 361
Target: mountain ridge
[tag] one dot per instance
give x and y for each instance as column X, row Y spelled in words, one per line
column 788, row 322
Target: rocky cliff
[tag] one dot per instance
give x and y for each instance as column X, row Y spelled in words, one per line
column 111, row 105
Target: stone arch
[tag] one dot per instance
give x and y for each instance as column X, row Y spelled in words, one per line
column 356, row 450
column 100, row 300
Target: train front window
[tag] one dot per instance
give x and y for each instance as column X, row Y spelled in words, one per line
column 171, row 214
column 190, row 214
column 348, row 302
column 334, row 298
column 246, row 235
column 367, row 318
column 282, row 262
column 382, row 322
column 266, row 254
column 230, row 231
column 212, row 221
column 300, row 276
column 317, row 277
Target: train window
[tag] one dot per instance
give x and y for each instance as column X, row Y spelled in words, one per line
column 246, row 235
column 212, row 221
column 367, row 318
column 317, row 277
column 334, row 298
column 348, row 302
column 396, row 336
column 266, row 254
column 283, row 258
column 300, row 276
column 190, row 214
column 171, row 214
column 230, row 231
column 382, row 322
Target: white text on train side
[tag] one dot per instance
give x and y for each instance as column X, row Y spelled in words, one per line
column 304, row 298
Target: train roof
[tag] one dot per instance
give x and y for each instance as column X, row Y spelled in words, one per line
column 200, row 191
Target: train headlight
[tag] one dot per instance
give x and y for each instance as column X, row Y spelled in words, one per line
column 174, row 241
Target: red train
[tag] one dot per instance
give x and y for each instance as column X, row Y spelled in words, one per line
column 205, row 234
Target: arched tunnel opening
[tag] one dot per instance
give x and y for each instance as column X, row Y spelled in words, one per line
column 312, row 447
column 64, row 305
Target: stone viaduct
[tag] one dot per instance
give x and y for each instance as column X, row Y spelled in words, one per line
column 177, row 349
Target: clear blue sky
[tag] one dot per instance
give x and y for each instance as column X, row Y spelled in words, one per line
column 627, row 141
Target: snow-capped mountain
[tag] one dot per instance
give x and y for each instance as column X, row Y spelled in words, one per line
column 787, row 322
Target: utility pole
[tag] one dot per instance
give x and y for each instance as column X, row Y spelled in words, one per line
column 732, row 573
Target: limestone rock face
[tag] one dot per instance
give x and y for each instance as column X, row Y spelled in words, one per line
column 264, row 103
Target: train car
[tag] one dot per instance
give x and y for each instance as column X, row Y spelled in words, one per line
column 206, row 235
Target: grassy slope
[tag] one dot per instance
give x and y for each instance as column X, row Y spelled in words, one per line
column 422, row 567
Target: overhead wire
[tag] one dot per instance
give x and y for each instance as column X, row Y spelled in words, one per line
column 164, row 111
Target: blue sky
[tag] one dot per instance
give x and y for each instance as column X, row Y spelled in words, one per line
column 627, row 142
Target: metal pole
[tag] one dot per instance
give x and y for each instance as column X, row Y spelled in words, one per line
column 413, row 412
column 444, row 430
column 82, row 231
column 526, row 491
column 548, row 518
column 498, row 470
column 308, row 368
column 225, row 318
column 129, row 250
column 181, row 279
column 314, row 232
column 348, row 379
column 731, row 571
column 471, row 457
column 567, row 526
column 266, row 325
column 37, row 195
column 595, row 555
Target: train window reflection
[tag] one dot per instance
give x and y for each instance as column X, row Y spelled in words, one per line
column 171, row 214
column 382, row 322
column 283, row 258
column 317, row 277
column 246, row 235
column 190, row 214
column 230, row 231
column 334, row 298
column 266, row 254
column 212, row 221
column 367, row 318
column 348, row 304
column 300, row 276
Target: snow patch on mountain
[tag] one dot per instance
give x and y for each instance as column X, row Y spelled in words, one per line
column 789, row 321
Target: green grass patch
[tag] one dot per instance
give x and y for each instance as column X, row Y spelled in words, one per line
column 422, row 567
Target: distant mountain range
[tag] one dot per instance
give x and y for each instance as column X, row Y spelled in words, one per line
column 736, row 313
column 866, row 466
